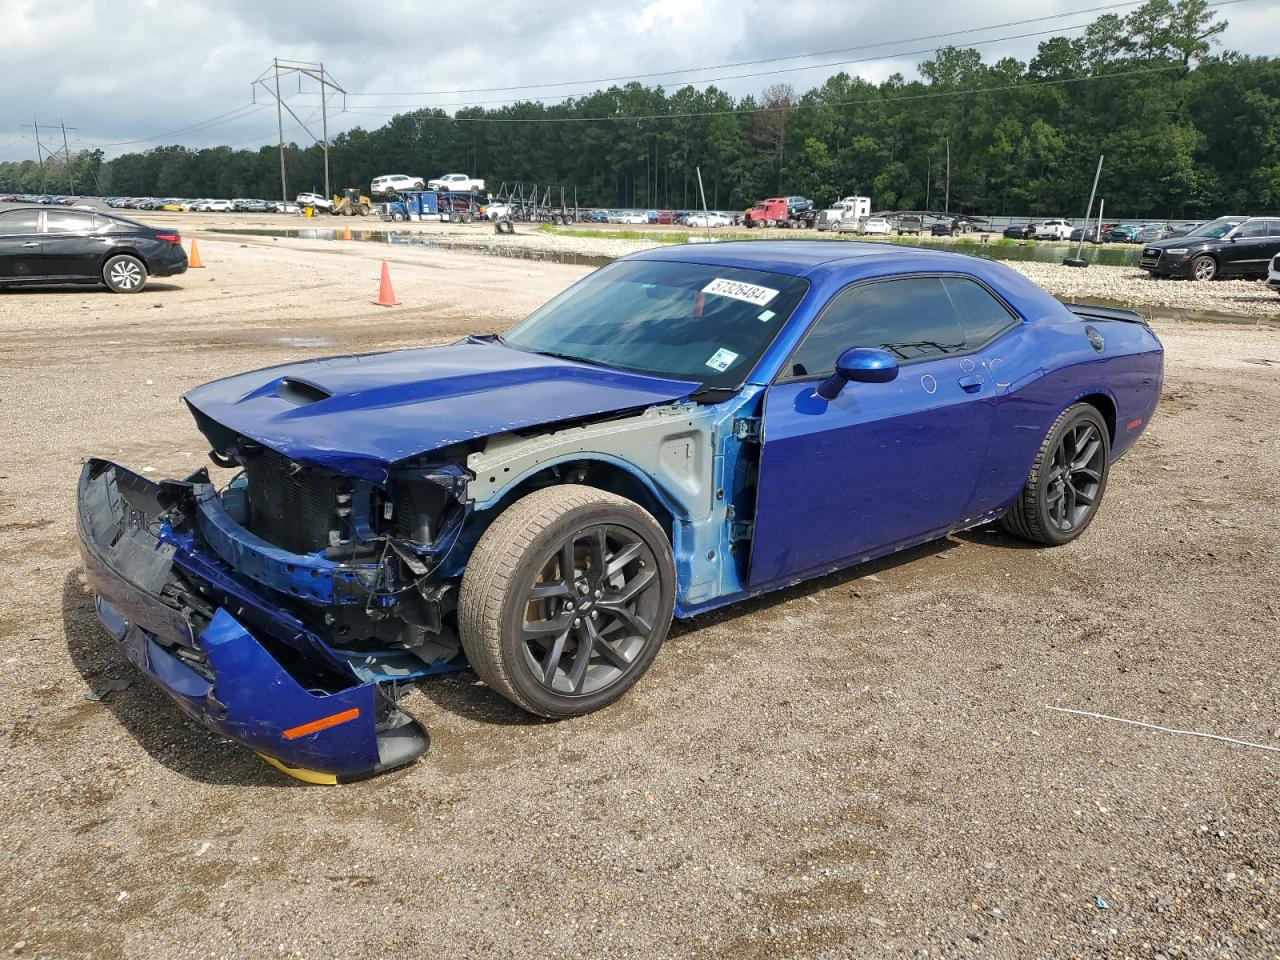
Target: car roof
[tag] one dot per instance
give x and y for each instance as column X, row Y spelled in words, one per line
column 795, row 258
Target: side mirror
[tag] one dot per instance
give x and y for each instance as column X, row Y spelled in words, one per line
column 862, row 365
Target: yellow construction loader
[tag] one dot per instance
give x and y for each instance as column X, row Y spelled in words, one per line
column 351, row 202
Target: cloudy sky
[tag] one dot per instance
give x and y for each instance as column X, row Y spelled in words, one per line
column 132, row 74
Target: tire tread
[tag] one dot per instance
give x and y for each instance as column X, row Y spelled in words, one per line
column 1023, row 518
column 491, row 570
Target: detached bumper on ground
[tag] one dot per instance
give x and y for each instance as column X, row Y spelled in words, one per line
column 226, row 657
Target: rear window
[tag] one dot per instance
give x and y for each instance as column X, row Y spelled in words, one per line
column 65, row 221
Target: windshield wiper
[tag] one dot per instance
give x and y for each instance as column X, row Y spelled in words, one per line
column 574, row 359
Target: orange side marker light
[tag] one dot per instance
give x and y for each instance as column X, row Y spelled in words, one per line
column 324, row 723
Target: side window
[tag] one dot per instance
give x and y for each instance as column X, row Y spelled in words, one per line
column 1273, row 228
column 981, row 314
column 18, row 223
column 911, row 318
column 66, row 221
column 1254, row 228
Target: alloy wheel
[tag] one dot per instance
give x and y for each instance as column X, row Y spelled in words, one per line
column 591, row 611
column 1075, row 476
column 126, row 274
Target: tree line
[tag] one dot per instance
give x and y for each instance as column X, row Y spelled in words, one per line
column 1187, row 132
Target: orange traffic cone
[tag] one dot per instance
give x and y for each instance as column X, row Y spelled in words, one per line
column 386, row 296
column 346, row 233
column 194, row 260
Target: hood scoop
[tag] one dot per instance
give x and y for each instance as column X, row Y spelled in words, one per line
column 300, row 392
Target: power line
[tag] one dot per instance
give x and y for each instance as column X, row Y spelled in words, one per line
column 203, row 124
column 741, row 76
column 794, row 56
column 936, row 95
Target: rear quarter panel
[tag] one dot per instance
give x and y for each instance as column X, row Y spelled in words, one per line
column 1042, row 368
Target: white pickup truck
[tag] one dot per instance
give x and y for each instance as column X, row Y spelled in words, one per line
column 456, row 181
column 1054, row 230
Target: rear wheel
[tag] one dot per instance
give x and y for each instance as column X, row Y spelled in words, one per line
column 1067, row 481
column 566, row 600
column 468, row 217
column 124, row 274
column 1204, row 268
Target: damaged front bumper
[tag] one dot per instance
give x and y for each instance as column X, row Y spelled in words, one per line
column 242, row 666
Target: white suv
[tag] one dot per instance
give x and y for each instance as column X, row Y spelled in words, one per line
column 313, row 200
column 456, row 181
column 1054, row 230
column 394, row 183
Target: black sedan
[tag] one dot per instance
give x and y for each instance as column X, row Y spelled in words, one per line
column 1020, row 231
column 85, row 246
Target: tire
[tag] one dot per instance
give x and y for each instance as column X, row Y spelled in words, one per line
column 1203, row 267
column 455, row 218
column 124, row 274
column 504, row 226
column 365, row 210
column 468, row 217
column 620, row 638
column 1049, row 509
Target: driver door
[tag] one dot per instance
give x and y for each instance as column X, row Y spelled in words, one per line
column 883, row 465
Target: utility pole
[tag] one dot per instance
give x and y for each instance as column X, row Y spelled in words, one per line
column 947, row 204
column 284, row 187
column 317, row 72
column 67, row 150
column 1078, row 260
column 324, row 129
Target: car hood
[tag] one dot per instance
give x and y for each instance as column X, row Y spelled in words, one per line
column 358, row 415
column 1170, row 242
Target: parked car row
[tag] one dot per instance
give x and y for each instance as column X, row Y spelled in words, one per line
column 205, row 205
column 48, row 199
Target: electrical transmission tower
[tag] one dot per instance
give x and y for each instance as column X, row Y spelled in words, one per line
column 43, row 153
column 284, row 68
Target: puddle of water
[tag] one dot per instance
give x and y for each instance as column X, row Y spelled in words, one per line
column 415, row 239
column 1041, row 253
column 1178, row 313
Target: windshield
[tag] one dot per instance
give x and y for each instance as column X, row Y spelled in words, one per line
column 1216, row 229
column 688, row 321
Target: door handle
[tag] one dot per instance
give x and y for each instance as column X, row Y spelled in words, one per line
column 33, row 243
column 972, row 383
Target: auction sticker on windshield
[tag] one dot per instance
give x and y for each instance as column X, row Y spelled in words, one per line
column 738, row 290
column 721, row 359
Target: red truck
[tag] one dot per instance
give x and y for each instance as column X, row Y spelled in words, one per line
column 781, row 212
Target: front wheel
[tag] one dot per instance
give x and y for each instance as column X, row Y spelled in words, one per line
column 566, row 600
column 124, row 274
column 1204, row 268
column 1067, row 480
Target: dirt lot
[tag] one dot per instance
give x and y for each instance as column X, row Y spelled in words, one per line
column 862, row 766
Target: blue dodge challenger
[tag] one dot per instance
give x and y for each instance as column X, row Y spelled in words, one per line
column 681, row 429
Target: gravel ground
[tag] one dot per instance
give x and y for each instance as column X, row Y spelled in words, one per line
column 860, row 766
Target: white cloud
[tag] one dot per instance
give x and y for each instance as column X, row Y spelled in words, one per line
column 131, row 69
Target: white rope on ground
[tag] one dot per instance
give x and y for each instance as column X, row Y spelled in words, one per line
column 1152, row 726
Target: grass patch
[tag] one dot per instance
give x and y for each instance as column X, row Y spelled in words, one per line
column 653, row 236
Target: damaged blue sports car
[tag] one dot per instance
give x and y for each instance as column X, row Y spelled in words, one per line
column 681, row 429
